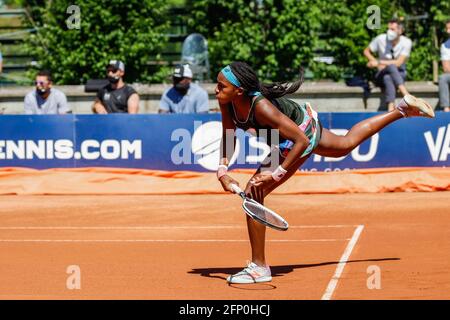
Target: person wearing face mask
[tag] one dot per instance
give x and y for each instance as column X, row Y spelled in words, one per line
column 184, row 96
column 444, row 78
column 393, row 50
column 45, row 99
column 116, row 97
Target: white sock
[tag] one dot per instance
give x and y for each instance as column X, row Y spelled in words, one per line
column 402, row 104
column 400, row 107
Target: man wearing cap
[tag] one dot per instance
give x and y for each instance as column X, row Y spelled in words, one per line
column 116, row 97
column 185, row 96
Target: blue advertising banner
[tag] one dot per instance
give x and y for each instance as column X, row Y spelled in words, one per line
column 37, row 141
column 191, row 142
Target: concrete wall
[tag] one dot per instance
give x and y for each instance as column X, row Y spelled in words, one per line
column 323, row 96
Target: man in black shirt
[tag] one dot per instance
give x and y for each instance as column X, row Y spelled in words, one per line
column 116, row 97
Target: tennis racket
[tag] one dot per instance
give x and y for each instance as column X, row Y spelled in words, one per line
column 259, row 212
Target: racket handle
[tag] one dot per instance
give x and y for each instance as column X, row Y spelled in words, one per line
column 236, row 189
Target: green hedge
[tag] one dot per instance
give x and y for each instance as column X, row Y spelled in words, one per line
column 274, row 36
column 279, row 36
column 133, row 31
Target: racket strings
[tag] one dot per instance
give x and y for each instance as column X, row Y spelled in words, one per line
column 264, row 214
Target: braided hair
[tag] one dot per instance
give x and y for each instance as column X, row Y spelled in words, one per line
column 249, row 82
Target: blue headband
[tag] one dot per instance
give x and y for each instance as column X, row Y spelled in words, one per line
column 229, row 75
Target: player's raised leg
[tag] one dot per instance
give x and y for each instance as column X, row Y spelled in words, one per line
column 332, row 145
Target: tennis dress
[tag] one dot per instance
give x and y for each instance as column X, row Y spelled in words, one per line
column 302, row 114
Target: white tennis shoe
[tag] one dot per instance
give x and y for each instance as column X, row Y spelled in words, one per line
column 411, row 106
column 252, row 274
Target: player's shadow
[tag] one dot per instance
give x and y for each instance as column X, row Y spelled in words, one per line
column 277, row 271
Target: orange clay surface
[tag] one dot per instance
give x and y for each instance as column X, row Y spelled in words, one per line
column 184, row 246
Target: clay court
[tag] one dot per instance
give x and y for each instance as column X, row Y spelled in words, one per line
column 184, row 246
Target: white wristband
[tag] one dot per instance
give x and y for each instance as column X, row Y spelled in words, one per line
column 279, row 173
column 221, row 171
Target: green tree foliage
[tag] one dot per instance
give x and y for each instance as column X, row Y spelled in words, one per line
column 426, row 34
column 130, row 30
column 277, row 36
column 344, row 36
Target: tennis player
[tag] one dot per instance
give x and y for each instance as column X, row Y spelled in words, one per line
column 247, row 103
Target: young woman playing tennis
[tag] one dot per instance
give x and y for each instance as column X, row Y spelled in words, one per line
column 248, row 104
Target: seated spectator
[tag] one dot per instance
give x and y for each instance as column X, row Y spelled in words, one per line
column 444, row 79
column 393, row 49
column 45, row 99
column 184, row 96
column 116, row 97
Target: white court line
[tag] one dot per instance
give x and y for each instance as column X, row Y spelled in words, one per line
column 158, row 227
column 340, row 267
column 162, row 240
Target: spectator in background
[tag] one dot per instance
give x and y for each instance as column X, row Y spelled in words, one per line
column 116, row 97
column 444, row 79
column 184, row 96
column 45, row 99
column 392, row 49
